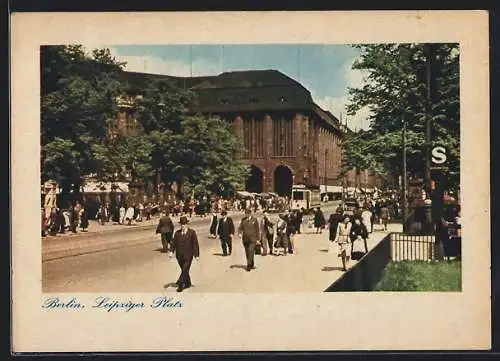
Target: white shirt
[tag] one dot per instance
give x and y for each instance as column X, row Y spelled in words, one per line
column 366, row 217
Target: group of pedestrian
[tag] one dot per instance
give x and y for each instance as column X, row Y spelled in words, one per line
column 70, row 219
column 350, row 232
column 263, row 236
column 123, row 212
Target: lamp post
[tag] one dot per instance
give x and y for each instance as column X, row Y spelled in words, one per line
column 404, row 176
column 326, row 156
column 429, row 229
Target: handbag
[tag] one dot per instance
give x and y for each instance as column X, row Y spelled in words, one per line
column 358, row 249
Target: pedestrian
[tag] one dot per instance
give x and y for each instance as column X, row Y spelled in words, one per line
column 267, row 234
column 225, row 231
column 84, row 219
column 281, row 243
column 140, row 212
column 74, row 219
column 384, row 215
column 299, row 215
column 166, row 229
column 129, row 215
column 343, row 241
column 290, row 230
column 185, row 246
column 250, row 233
column 44, row 223
column 358, row 236
column 213, row 226
column 53, row 221
column 121, row 220
column 333, row 222
column 103, row 214
column 319, row 220
column 366, row 218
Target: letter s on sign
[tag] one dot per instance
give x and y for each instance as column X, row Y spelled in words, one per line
column 438, row 155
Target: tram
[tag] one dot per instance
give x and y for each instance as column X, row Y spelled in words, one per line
column 305, row 197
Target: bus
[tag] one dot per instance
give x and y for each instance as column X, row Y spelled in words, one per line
column 305, row 197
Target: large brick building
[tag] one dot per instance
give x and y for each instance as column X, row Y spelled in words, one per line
column 287, row 138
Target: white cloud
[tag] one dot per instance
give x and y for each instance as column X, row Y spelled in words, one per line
column 156, row 65
column 337, row 105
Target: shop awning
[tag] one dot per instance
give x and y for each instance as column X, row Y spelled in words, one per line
column 245, row 194
column 105, row 187
column 331, row 189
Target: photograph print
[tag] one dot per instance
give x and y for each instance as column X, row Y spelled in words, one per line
column 253, row 168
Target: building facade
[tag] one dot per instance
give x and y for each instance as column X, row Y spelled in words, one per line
column 287, row 139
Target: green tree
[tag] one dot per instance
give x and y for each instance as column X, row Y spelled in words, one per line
column 195, row 150
column 396, row 89
column 78, row 99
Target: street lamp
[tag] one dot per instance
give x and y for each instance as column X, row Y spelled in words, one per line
column 326, row 157
column 404, row 175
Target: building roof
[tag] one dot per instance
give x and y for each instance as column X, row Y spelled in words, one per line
column 235, row 91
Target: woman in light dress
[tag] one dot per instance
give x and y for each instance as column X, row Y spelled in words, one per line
column 343, row 241
column 129, row 215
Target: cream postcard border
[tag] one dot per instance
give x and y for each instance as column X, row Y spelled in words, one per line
column 362, row 321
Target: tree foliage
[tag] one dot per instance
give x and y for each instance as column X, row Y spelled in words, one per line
column 80, row 96
column 396, row 89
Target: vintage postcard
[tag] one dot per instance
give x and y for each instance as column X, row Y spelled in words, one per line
column 210, row 173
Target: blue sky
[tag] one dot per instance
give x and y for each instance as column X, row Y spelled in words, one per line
column 325, row 70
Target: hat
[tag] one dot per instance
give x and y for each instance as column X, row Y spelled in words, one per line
column 184, row 220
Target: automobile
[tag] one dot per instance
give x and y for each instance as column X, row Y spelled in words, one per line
column 350, row 206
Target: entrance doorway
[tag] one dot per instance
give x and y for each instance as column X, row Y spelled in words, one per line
column 254, row 183
column 283, row 181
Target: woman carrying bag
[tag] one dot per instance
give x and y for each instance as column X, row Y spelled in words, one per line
column 358, row 235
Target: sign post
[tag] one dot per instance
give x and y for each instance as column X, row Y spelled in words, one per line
column 439, row 166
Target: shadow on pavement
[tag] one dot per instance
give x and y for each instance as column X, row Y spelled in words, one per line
column 323, row 250
column 171, row 284
column 218, row 254
column 329, row 268
column 238, row 266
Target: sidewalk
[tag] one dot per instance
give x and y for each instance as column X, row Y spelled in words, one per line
column 311, row 269
column 95, row 227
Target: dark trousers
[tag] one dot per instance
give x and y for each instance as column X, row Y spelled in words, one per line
column 166, row 239
column 185, row 264
column 227, row 245
column 270, row 242
column 249, row 253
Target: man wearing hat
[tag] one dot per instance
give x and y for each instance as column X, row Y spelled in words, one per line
column 225, row 231
column 185, row 245
column 166, row 229
column 249, row 231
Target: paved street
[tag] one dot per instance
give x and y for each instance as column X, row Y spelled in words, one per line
column 133, row 263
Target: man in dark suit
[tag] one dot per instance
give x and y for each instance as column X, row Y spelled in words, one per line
column 225, row 231
column 185, row 246
column 250, row 232
column 166, row 229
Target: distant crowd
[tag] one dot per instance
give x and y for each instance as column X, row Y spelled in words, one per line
column 76, row 216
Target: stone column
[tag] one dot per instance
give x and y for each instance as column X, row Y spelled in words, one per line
column 238, row 131
column 298, row 146
column 268, row 153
